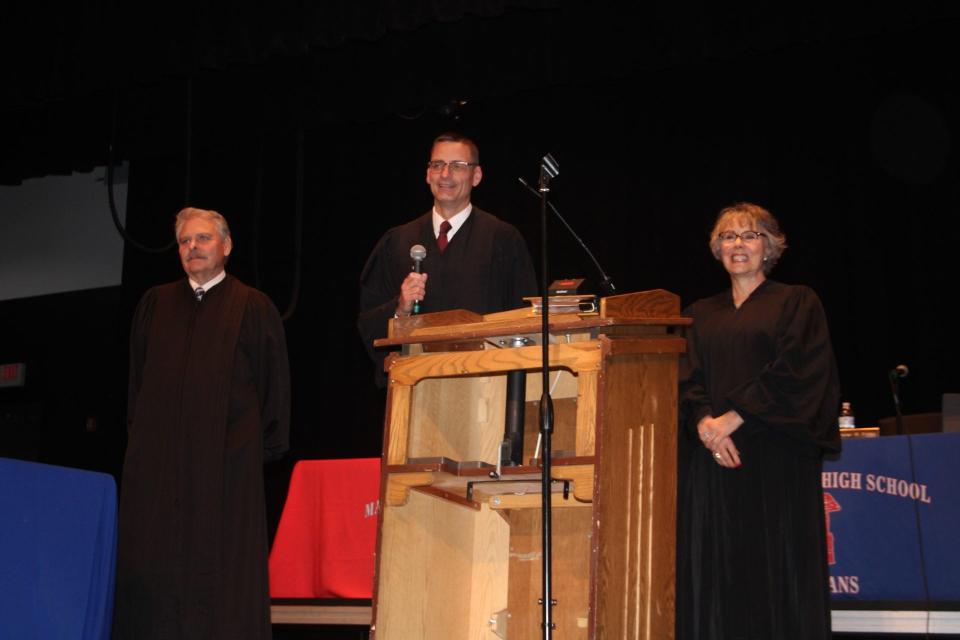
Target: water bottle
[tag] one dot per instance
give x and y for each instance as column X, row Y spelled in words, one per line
column 846, row 420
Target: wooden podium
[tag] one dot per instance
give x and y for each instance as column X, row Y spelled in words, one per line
column 459, row 551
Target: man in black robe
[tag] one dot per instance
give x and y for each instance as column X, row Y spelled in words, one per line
column 208, row 405
column 474, row 261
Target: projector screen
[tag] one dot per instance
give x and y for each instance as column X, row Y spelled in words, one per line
column 58, row 234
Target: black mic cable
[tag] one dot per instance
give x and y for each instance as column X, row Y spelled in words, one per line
column 605, row 283
column 896, row 374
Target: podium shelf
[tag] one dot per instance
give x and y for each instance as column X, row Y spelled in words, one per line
column 472, row 484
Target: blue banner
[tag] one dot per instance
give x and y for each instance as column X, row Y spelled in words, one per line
column 887, row 519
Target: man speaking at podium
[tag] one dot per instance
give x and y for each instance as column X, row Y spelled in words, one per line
column 474, row 260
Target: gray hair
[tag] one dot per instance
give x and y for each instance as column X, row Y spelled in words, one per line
column 190, row 213
column 774, row 240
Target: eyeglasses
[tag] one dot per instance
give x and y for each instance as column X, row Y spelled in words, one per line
column 747, row 236
column 456, row 166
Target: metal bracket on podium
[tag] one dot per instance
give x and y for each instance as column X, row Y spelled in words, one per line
column 535, row 481
column 498, row 623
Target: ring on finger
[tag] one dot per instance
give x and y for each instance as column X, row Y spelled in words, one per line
column 716, row 454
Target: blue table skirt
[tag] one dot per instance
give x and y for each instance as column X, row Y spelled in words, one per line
column 58, row 534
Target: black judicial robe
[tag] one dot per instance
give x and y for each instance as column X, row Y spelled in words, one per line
column 485, row 268
column 208, row 403
column 751, row 541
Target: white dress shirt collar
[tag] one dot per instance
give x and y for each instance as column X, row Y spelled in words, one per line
column 456, row 221
column 211, row 283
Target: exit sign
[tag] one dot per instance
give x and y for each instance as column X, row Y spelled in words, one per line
column 12, row 375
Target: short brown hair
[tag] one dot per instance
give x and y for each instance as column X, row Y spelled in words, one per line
column 453, row 136
column 774, row 240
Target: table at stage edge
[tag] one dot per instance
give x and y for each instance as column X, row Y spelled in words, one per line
column 873, row 499
column 326, row 539
column 58, row 551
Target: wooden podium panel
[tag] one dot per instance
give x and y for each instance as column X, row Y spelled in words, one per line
column 459, row 552
column 442, row 569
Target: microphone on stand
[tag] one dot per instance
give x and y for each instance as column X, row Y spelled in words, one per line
column 898, row 372
column 549, row 168
column 417, row 253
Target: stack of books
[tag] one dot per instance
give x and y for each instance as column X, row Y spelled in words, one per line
column 584, row 303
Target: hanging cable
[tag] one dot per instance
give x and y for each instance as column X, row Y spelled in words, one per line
column 110, row 197
column 188, row 146
column 298, row 229
column 257, row 205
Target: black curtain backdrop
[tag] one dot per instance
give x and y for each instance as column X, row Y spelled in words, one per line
column 309, row 131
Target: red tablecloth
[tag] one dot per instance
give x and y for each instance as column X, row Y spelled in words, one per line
column 326, row 540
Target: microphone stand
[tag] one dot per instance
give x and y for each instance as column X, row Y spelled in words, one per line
column 548, row 169
column 895, row 390
column 898, row 372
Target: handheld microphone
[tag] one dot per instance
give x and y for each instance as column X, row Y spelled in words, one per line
column 900, row 371
column 417, row 253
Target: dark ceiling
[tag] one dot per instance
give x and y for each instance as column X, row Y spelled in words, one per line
column 86, row 74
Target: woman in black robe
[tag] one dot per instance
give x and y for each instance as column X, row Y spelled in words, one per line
column 758, row 407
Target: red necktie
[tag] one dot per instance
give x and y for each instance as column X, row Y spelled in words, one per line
column 442, row 238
